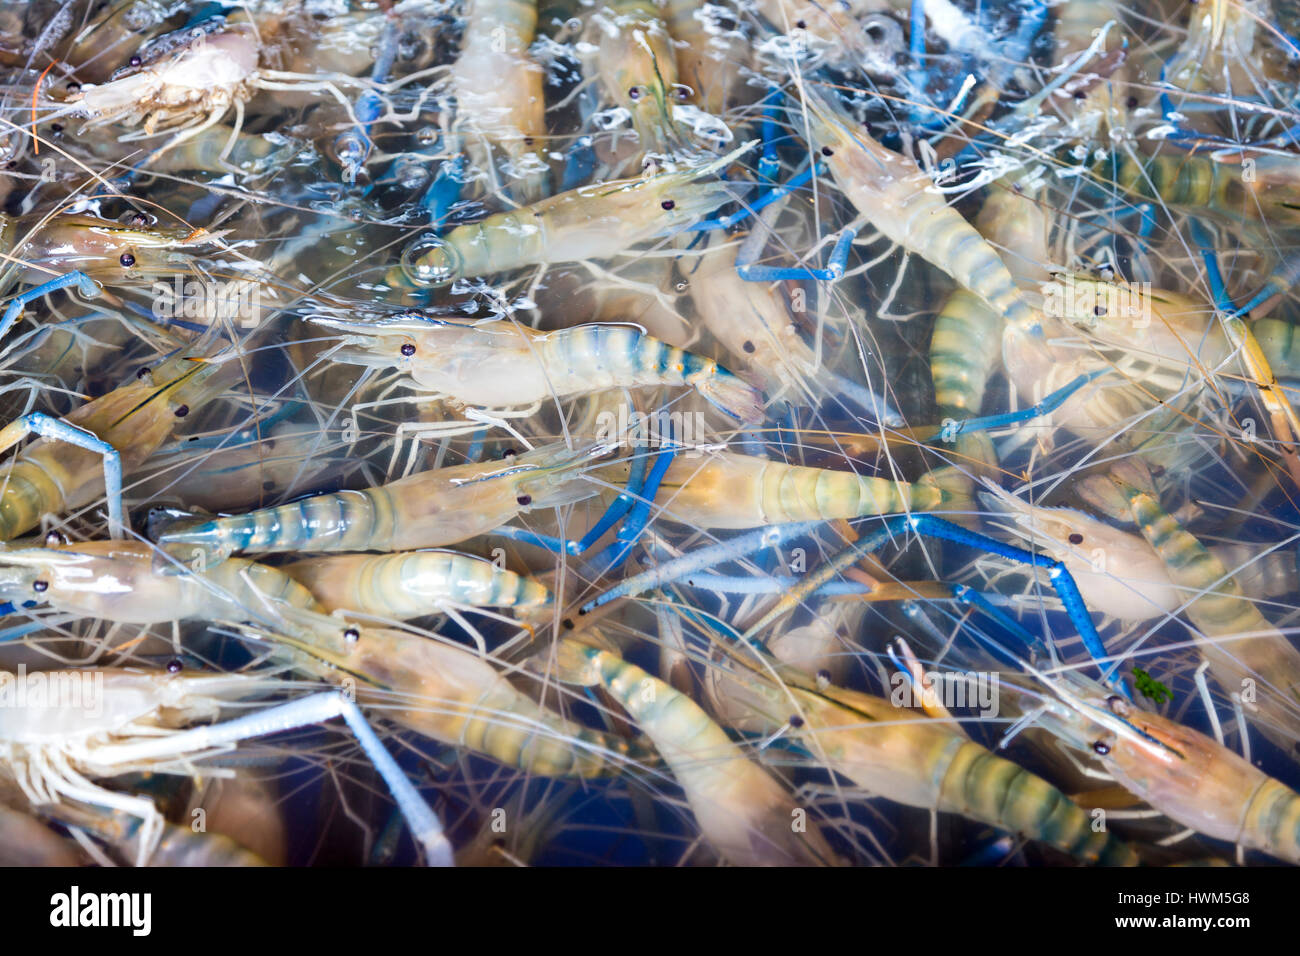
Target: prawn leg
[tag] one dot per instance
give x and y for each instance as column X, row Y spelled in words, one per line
column 835, row 265
column 424, row 823
column 620, row 506
column 43, row 426
column 927, row 525
column 698, row 559
column 759, row 204
column 951, row 428
column 612, row 556
column 85, row 285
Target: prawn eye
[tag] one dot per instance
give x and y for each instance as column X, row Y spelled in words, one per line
column 74, row 87
column 408, row 349
column 668, row 204
column 748, row 347
column 135, row 61
column 40, row 586
column 1118, row 705
column 795, row 721
column 801, row 24
column 634, row 93
column 1076, row 538
column 53, row 539
column 524, row 500
column 1101, row 747
column 827, row 151
column 181, row 411
column 175, row 666
column 127, row 260
column 351, row 635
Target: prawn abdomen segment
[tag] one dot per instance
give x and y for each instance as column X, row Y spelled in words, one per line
column 340, row 521
column 983, row 786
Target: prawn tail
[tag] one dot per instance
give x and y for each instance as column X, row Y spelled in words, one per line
column 734, row 395
column 186, row 541
column 573, row 664
column 955, row 490
column 1106, row 497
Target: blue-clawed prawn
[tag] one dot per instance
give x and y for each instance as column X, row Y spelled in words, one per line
column 426, row 510
column 1189, row 777
column 898, row 198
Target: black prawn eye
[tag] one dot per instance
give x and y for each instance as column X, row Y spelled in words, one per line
column 408, row 349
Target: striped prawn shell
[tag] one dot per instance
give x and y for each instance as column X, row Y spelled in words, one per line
column 415, row 583
column 900, row 200
column 739, row 491
column 926, row 764
column 592, row 357
column 1221, row 610
column 712, row 770
column 966, row 343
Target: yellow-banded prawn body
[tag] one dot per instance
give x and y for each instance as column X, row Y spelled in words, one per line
column 426, row 510
column 742, row 810
column 723, row 489
column 910, row 759
column 447, row 693
column 897, row 197
column 502, row 363
column 591, row 222
column 50, row 476
column 1244, row 649
column 414, row 583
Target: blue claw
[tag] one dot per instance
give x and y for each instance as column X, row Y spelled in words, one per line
column 771, row 196
column 839, row 258
column 38, row 423
column 951, row 429
column 85, row 285
column 614, row 555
